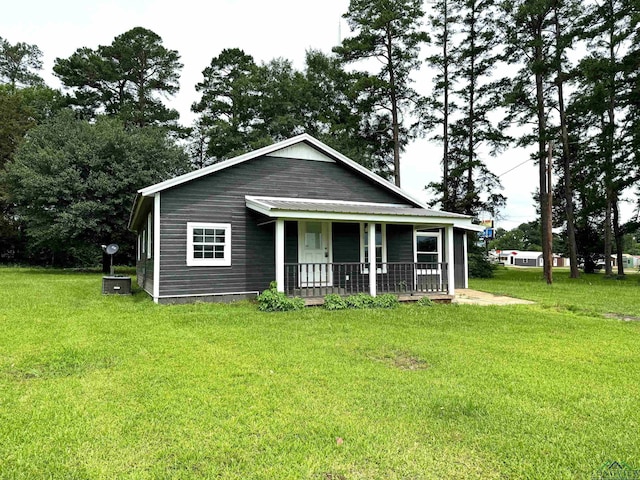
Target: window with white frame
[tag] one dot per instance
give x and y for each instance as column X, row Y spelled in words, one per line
column 428, row 248
column 208, row 244
column 149, row 235
column 380, row 246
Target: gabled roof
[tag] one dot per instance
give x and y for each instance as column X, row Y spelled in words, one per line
column 272, row 149
column 305, row 147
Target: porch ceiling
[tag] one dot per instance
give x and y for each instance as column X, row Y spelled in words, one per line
column 306, row 208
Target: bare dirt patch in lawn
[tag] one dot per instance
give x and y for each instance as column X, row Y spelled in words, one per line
column 620, row 316
column 401, row 360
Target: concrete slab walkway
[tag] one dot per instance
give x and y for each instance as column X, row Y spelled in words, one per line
column 475, row 297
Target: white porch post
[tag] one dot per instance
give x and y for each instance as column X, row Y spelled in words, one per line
column 280, row 254
column 372, row 259
column 466, row 260
column 451, row 278
column 156, row 247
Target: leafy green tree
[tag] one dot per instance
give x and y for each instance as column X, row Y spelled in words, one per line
column 128, row 78
column 72, row 182
column 389, row 31
column 20, row 110
column 610, row 28
column 19, row 63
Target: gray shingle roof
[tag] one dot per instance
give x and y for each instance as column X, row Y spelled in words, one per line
column 327, row 206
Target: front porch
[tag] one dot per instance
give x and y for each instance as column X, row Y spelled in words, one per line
column 409, row 280
column 331, row 247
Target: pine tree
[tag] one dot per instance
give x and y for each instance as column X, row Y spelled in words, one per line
column 439, row 109
column 478, row 96
column 526, row 25
column 127, row 78
column 390, row 32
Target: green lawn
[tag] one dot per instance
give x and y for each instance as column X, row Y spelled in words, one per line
column 594, row 293
column 96, row 386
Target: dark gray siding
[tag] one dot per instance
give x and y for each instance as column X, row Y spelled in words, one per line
column 220, row 198
column 290, row 242
column 526, row 262
column 400, row 243
column 346, row 242
column 458, row 258
column 346, row 249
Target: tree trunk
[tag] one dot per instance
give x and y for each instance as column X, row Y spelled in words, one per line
column 609, row 132
column 472, row 83
column 566, row 157
column 617, row 235
column 445, row 119
column 607, row 234
column 545, row 219
column 394, row 111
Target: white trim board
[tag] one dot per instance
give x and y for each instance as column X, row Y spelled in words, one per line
column 156, row 247
column 364, row 217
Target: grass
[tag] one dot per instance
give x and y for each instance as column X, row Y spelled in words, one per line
column 594, row 293
column 96, row 386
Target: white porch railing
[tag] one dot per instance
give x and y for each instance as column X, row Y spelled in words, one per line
column 320, row 279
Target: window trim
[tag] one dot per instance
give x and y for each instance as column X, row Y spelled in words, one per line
column 383, row 229
column 149, row 236
column 209, row 262
column 437, row 235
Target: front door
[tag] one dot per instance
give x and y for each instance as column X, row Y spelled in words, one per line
column 314, row 253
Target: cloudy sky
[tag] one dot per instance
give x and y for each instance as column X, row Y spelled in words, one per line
column 199, row 30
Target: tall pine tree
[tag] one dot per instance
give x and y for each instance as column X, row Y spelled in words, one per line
column 389, row 31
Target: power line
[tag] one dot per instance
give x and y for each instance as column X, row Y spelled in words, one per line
column 512, row 169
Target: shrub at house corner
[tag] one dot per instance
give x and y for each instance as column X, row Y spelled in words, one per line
column 71, row 182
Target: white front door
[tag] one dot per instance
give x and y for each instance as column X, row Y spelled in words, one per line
column 314, row 253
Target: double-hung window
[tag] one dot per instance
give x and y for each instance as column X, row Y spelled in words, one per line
column 428, row 249
column 208, row 244
column 380, row 247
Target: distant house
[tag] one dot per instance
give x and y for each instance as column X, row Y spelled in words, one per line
column 297, row 212
column 630, row 261
column 524, row 258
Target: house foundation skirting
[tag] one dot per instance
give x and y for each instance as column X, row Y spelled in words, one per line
column 208, row 298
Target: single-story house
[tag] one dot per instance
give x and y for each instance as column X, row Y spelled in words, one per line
column 630, row 261
column 297, row 212
column 525, row 258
